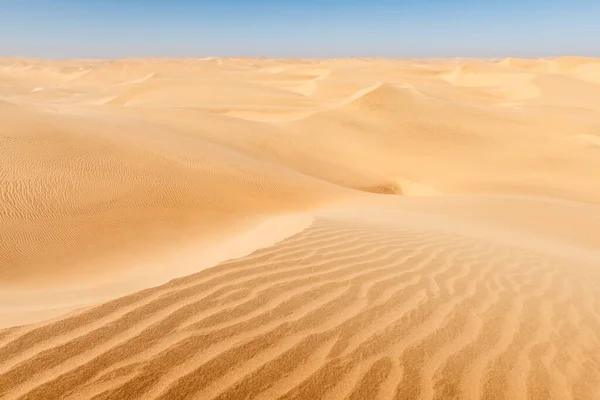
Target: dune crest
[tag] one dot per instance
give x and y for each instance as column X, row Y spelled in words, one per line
column 236, row 228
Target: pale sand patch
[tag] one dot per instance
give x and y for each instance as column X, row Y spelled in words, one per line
column 591, row 139
column 22, row 306
column 140, row 80
column 412, row 188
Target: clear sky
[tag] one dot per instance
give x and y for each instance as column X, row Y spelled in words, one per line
column 304, row 28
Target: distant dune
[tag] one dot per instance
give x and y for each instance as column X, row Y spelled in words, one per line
column 309, row 229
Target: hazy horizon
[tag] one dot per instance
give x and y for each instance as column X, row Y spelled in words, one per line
column 326, row 29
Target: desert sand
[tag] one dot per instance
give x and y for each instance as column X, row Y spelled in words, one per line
column 309, row 229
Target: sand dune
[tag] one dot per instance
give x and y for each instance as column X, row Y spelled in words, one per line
column 312, row 229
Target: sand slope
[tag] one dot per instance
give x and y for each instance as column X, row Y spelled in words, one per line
column 310, row 229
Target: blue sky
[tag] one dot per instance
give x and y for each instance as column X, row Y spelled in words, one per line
column 304, row 28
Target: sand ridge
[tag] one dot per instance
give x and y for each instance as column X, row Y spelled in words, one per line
column 311, row 229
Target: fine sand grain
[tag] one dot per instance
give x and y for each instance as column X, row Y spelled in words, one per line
column 309, row 229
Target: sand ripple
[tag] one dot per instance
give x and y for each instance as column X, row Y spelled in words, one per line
column 341, row 310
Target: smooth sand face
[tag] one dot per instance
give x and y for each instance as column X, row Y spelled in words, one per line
column 310, row 229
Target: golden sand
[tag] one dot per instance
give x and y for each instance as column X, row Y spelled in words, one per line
column 308, row 229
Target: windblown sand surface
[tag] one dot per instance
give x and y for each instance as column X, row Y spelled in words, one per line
column 307, row 229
